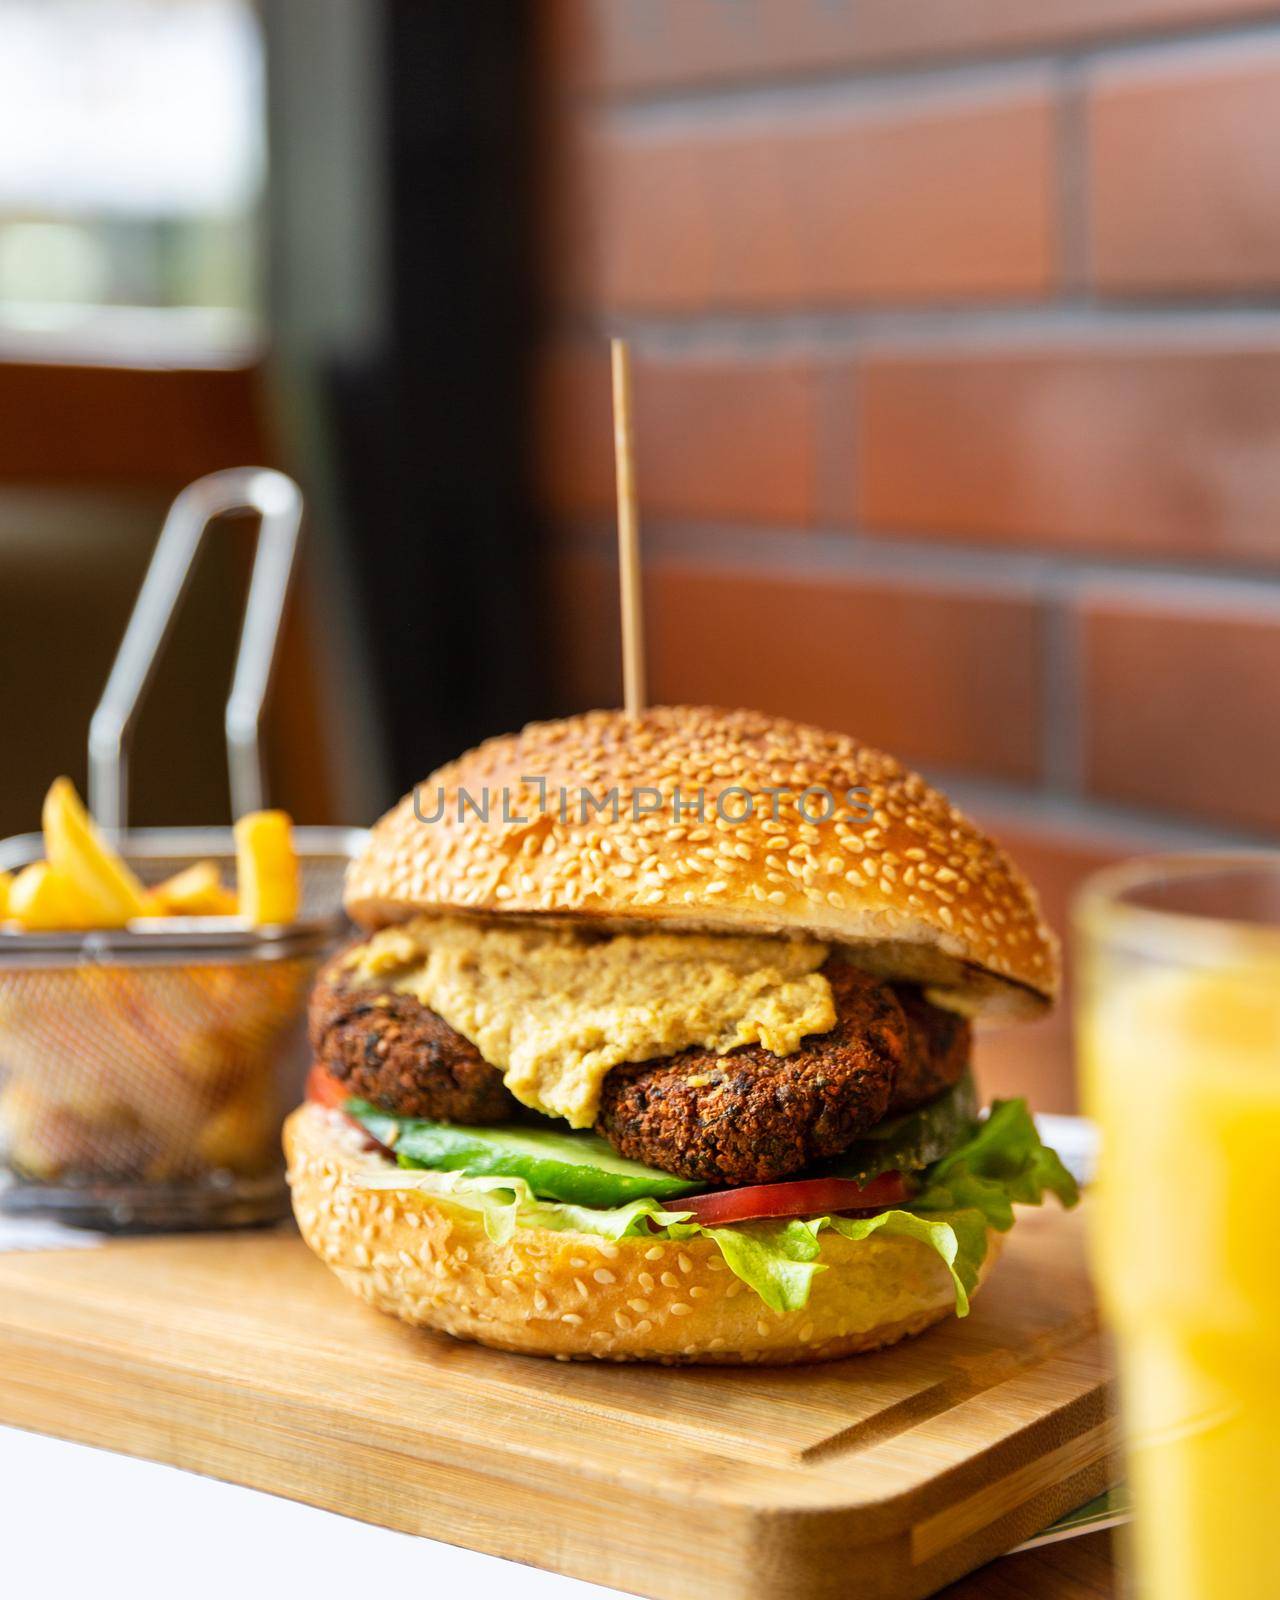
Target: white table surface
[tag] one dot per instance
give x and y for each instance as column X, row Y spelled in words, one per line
column 83, row 1523
column 76, row 1521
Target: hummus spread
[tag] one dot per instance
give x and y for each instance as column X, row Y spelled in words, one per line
column 555, row 1008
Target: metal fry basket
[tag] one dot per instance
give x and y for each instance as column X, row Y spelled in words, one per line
column 145, row 1071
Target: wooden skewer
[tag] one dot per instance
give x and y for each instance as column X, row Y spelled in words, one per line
column 628, row 533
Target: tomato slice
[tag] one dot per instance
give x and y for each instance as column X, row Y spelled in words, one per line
column 326, row 1090
column 805, row 1197
column 323, row 1089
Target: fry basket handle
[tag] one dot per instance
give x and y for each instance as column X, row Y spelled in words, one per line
column 278, row 502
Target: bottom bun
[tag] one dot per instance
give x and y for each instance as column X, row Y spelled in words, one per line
column 579, row 1296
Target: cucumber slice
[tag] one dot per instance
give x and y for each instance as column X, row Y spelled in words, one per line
column 577, row 1168
column 582, row 1169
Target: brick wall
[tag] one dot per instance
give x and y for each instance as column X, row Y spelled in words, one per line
column 957, row 329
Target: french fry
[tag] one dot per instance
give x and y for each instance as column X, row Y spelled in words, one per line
column 78, row 852
column 197, row 891
column 6, row 884
column 266, row 868
column 44, row 900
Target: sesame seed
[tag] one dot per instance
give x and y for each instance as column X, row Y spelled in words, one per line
column 670, row 1280
column 558, row 866
column 680, row 1309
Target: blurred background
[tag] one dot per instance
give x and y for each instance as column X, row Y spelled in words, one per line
column 957, row 334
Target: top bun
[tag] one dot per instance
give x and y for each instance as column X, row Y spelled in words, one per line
column 695, row 819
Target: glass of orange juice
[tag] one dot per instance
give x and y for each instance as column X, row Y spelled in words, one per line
column 1179, row 1014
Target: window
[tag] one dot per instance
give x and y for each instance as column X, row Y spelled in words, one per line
column 132, row 158
column 131, row 166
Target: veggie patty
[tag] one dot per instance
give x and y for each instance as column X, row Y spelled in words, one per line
column 748, row 1116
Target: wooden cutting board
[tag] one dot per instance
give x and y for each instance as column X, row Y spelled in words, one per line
column 885, row 1475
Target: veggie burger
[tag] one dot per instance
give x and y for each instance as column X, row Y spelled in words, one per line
column 656, row 1047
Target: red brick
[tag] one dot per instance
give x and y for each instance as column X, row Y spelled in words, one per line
column 610, row 45
column 1035, row 1060
column 127, row 425
column 941, row 678
column 940, row 195
column 1184, row 181
column 1182, row 707
column 727, row 440
column 1132, row 450
column 613, row 45
column 1038, row 1059
column 928, row 27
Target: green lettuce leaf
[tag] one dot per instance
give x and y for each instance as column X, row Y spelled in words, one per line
column 776, row 1259
column 975, row 1187
column 506, row 1203
column 779, row 1260
column 614, row 1224
column 968, row 1191
column 960, row 1238
column 1002, row 1164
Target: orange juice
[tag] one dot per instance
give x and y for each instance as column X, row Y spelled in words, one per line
column 1181, row 1060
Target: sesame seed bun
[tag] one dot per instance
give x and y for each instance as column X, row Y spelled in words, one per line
column 578, row 1296
column 896, row 873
